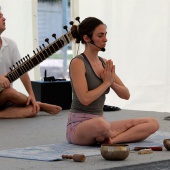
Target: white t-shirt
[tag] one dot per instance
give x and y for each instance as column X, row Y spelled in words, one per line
column 9, row 55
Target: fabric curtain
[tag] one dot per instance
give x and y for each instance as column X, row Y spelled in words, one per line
column 139, row 44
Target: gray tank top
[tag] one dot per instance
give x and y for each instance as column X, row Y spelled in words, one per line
column 93, row 81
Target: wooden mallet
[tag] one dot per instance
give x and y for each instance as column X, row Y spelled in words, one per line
column 75, row 157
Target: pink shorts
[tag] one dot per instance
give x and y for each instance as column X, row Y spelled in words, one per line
column 74, row 119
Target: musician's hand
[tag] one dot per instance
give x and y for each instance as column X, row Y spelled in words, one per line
column 31, row 100
column 4, row 82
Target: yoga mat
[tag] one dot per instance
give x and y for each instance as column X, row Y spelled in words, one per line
column 50, row 152
column 53, row 152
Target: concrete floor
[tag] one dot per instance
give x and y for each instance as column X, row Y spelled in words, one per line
column 46, row 129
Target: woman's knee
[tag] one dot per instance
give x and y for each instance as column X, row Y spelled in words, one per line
column 101, row 125
column 154, row 124
column 103, row 129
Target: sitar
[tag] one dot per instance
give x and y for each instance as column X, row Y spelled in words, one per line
column 27, row 63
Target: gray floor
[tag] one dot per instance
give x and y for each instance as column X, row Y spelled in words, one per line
column 46, row 129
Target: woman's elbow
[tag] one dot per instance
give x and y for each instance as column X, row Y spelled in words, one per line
column 85, row 102
column 127, row 96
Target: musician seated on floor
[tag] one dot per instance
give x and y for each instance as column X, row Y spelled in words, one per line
column 14, row 104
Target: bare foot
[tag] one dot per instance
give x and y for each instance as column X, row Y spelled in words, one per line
column 49, row 108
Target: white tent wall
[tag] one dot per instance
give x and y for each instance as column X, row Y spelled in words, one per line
column 139, row 44
column 21, row 26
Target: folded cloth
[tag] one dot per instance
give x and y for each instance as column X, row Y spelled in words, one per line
column 110, row 108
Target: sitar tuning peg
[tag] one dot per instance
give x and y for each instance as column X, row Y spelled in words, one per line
column 37, row 50
column 40, row 47
column 47, row 40
column 43, row 45
column 65, row 27
column 71, row 22
column 78, row 19
column 54, row 35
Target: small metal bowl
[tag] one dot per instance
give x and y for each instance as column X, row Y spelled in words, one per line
column 115, row 151
column 166, row 143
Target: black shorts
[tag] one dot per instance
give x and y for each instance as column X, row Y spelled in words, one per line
column 6, row 105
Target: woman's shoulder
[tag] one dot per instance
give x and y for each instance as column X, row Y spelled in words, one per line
column 80, row 56
column 77, row 59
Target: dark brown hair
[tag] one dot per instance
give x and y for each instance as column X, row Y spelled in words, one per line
column 87, row 27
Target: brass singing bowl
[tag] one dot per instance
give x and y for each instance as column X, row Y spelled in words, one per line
column 115, row 151
column 166, row 143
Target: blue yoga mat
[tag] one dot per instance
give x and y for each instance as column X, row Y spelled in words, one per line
column 53, row 152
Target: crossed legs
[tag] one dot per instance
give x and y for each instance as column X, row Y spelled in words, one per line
column 101, row 131
column 20, row 110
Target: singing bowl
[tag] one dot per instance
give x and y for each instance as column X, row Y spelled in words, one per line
column 114, row 151
column 166, row 143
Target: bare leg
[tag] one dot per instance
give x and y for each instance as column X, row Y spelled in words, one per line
column 17, row 112
column 133, row 130
column 116, row 132
column 27, row 111
column 49, row 108
column 92, row 131
column 13, row 96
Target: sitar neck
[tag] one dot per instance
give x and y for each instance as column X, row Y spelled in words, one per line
column 27, row 63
